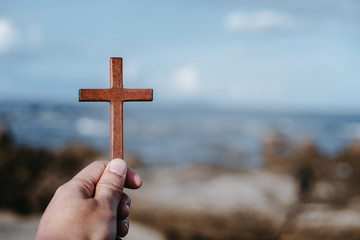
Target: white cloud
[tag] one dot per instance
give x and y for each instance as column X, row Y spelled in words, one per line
column 8, row 35
column 257, row 21
column 186, row 79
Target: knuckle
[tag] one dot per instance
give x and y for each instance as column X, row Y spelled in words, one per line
column 62, row 188
column 85, row 184
column 100, row 162
column 114, row 186
column 126, row 199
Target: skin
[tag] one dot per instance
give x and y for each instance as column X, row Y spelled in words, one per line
column 91, row 205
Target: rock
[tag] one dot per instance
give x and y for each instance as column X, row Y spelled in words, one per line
column 139, row 231
column 324, row 221
column 205, row 202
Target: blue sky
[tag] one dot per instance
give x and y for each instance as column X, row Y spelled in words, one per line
column 261, row 54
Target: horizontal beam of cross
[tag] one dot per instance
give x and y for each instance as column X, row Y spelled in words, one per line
column 115, row 94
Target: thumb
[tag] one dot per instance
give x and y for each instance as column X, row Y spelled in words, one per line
column 111, row 183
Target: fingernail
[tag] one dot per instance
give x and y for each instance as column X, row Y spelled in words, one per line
column 126, row 222
column 138, row 180
column 117, row 166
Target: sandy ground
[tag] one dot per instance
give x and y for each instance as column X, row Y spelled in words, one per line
column 16, row 227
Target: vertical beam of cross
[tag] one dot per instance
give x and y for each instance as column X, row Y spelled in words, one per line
column 116, row 95
column 116, row 111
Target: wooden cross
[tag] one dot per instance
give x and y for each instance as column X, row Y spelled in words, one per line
column 116, row 95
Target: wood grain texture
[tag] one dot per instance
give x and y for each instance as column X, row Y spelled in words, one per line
column 116, row 129
column 116, row 95
column 116, row 73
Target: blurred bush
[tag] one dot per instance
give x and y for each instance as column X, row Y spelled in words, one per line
column 29, row 176
column 321, row 177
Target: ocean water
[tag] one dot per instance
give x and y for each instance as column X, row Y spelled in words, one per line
column 175, row 135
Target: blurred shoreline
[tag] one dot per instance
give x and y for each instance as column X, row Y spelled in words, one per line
column 176, row 136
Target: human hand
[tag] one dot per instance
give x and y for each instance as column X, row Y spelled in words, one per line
column 91, row 205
